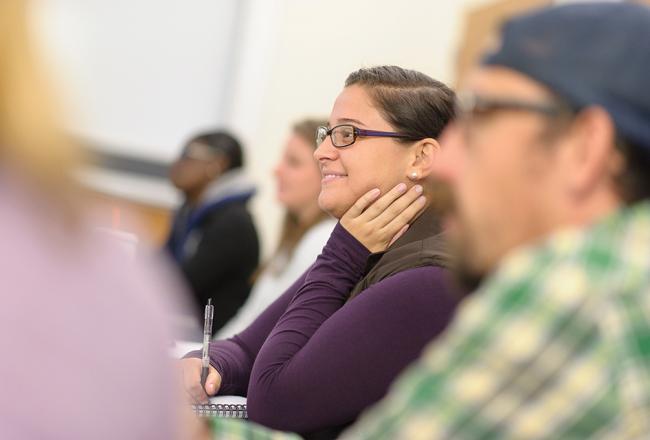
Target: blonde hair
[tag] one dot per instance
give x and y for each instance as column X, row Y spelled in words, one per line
column 292, row 229
column 32, row 140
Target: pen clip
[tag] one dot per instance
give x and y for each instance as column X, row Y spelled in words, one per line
column 208, row 317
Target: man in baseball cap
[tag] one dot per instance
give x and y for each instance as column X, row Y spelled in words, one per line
column 549, row 162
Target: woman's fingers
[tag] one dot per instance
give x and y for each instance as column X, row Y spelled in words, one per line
column 378, row 224
column 360, row 205
column 192, row 380
column 212, row 382
column 402, row 217
column 379, row 206
column 398, row 235
column 368, row 207
column 391, row 211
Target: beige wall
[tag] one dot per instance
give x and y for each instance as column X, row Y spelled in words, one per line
column 480, row 28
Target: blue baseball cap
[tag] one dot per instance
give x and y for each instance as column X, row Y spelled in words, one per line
column 588, row 54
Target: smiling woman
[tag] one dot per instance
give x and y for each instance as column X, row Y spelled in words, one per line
column 333, row 342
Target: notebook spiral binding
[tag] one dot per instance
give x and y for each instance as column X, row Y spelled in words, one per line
column 221, row 410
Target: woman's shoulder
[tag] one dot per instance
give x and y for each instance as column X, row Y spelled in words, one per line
column 423, row 283
column 417, row 295
column 419, row 278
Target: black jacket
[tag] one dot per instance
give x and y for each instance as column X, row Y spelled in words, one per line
column 216, row 247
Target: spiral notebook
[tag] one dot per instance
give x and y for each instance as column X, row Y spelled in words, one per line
column 223, row 406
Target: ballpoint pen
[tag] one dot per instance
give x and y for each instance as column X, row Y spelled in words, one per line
column 207, row 335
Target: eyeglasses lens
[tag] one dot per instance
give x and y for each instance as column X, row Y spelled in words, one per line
column 343, row 135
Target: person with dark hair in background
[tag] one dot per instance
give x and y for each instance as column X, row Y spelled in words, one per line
column 333, row 342
column 213, row 238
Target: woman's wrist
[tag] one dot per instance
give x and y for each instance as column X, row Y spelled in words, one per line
column 345, row 248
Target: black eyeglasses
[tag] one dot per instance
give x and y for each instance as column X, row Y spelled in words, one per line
column 345, row 135
column 469, row 104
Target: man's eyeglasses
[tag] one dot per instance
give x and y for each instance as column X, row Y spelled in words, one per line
column 469, row 105
column 345, row 135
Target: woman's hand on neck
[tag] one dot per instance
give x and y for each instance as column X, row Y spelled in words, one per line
column 376, row 222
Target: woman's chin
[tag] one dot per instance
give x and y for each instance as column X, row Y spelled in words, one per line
column 330, row 205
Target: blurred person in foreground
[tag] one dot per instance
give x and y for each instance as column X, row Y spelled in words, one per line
column 213, row 239
column 550, row 163
column 305, row 228
column 84, row 333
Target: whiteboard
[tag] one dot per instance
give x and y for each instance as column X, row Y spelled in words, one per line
column 140, row 76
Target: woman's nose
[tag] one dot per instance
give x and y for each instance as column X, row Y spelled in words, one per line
column 326, row 150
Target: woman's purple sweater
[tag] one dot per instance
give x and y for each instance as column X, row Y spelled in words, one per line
column 313, row 361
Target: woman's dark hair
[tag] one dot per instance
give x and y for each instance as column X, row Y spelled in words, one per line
column 413, row 103
column 221, row 142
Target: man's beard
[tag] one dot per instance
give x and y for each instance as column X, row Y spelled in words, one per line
column 465, row 274
column 465, row 277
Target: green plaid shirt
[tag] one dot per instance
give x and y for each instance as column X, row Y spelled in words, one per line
column 556, row 344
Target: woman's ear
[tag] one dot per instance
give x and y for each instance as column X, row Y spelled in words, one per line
column 423, row 155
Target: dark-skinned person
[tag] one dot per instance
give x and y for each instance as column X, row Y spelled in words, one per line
column 213, row 239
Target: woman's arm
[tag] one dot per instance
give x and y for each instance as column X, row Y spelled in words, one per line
column 323, row 363
column 233, row 358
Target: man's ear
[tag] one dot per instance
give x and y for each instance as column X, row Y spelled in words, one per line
column 423, row 153
column 592, row 151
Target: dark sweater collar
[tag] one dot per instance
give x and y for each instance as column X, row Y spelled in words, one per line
column 422, row 244
column 426, row 225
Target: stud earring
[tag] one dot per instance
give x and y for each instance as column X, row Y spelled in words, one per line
column 413, row 175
